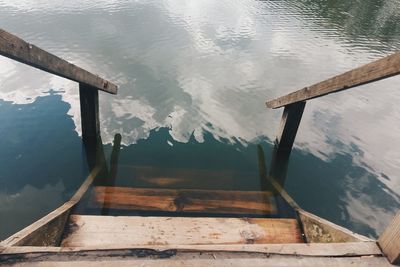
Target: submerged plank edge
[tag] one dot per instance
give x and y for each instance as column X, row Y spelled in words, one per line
column 89, row 230
column 15, row 48
column 380, row 69
column 183, row 200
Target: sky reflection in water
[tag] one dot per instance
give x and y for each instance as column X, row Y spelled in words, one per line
column 204, row 70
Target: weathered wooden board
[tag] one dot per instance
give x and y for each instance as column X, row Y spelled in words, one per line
column 205, row 201
column 89, row 230
column 319, row 230
column 389, row 241
column 300, row 249
column 377, row 70
column 13, row 47
column 48, row 230
column 206, row 259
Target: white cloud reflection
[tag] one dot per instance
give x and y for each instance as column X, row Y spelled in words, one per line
column 196, row 63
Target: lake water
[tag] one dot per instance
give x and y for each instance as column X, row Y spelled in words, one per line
column 193, row 79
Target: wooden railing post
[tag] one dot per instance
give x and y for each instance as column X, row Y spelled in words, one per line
column 284, row 140
column 389, row 241
column 89, row 100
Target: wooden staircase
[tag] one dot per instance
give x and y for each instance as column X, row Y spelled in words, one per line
column 95, row 230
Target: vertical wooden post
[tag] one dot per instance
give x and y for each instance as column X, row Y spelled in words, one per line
column 389, row 241
column 89, row 102
column 284, row 140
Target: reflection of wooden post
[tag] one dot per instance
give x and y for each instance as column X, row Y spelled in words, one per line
column 114, row 158
column 262, row 169
column 284, row 140
column 389, row 241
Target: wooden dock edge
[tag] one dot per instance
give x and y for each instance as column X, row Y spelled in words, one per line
column 47, row 231
column 352, row 249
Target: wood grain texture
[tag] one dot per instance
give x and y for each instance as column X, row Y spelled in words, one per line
column 205, row 201
column 216, row 259
column 389, row 241
column 47, row 231
column 15, row 48
column 374, row 71
column 86, row 230
column 312, row 249
column 318, row 230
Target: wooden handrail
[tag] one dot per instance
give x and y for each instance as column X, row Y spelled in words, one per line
column 15, row 48
column 380, row 69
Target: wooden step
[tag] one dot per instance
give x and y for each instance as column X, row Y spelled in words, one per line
column 175, row 178
column 89, row 230
column 169, row 200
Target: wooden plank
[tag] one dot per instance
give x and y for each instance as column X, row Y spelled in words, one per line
column 380, row 69
column 389, row 241
column 213, row 260
column 318, row 230
column 300, row 249
column 125, row 230
column 15, row 48
column 286, row 135
column 205, row 201
column 47, row 231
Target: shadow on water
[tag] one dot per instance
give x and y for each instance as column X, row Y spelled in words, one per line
column 42, row 165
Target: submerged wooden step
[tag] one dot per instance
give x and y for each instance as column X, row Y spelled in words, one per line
column 89, row 230
column 169, row 200
column 175, row 178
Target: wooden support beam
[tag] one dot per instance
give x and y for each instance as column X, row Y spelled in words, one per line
column 380, row 69
column 284, row 140
column 15, row 48
column 389, row 241
column 89, row 101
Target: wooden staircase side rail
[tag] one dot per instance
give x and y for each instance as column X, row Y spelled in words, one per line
column 48, row 230
column 389, row 241
column 377, row 70
column 380, row 69
column 15, row 48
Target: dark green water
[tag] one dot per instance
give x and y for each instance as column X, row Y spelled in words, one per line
column 193, row 79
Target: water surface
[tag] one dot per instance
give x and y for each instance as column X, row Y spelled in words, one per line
column 199, row 72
